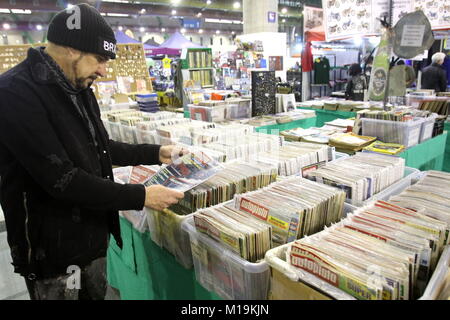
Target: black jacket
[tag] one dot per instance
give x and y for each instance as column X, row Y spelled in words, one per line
column 56, row 182
column 355, row 88
column 434, row 77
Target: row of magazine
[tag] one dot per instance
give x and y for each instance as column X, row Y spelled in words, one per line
column 387, row 250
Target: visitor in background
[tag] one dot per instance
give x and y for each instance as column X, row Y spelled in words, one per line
column 357, row 84
column 434, row 76
column 368, row 67
column 410, row 74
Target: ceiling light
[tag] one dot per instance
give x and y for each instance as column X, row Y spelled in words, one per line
column 39, row 27
column 174, row 12
column 200, row 31
column 218, row 32
column 6, row 26
column 120, row 28
column 237, row 5
column 284, row 20
column 163, row 29
column 143, row 11
column 183, row 30
column 20, row 11
column 208, row 2
column 175, row 2
column 199, row 14
column 118, row 15
column 296, row 34
column 4, row 11
column 141, row 29
column 232, row 32
column 284, row 10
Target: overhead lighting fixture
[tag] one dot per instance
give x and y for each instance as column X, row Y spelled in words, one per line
column 284, row 10
column 143, row 11
column 120, row 28
column 39, row 27
column 118, row 15
column 218, row 32
column 200, row 31
column 199, row 14
column 141, row 29
column 296, row 34
column 20, row 11
column 284, row 20
column 208, row 2
column 175, row 2
column 232, row 32
column 183, row 30
column 5, row 11
column 219, row 21
column 163, row 29
column 237, row 5
column 6, row 26
column 174, row 12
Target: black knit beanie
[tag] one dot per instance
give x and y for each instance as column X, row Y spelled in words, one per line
column 83, row 28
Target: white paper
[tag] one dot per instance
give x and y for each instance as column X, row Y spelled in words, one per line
column 412, row 35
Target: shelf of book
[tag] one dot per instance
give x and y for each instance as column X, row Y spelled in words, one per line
column 428, row 155
column 141, row 270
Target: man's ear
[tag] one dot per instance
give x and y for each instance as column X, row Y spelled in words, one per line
column 72, row 53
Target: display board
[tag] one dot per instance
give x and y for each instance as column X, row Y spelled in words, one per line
column 12, row 55
column 263, row 93
column 348, row 18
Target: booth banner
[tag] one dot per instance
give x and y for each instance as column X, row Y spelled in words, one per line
column 312, row 18
column 345, row 19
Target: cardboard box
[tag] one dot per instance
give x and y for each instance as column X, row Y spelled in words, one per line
column 283, row 288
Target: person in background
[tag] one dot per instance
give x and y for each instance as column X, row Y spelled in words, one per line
column 410, row 74
column 357, row 84
column 368, row 67
column 434, row 76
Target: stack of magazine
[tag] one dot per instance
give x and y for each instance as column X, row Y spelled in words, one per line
column 385, row 148
column 350, row 142
column 293, row 208
column 235, row 178
column 296, row 157
column 380, row 252
column 361, row 176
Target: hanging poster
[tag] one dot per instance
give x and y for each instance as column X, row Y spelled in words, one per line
column 312, row 18
column 345, row 19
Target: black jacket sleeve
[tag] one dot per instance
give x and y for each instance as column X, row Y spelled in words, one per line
column 349, row 89
column 27, row 132
column 123, row 154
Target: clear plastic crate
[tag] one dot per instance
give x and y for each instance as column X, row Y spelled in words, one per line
column 116, row 131
column 438, row 279
column 426, row 131
column 137, row 218
column 145, row 136
column 238, row 111
column 219, row 270
column 208, row 114
column 405, row 133
column 295, row 283
column 165, row 231
column 129, row 134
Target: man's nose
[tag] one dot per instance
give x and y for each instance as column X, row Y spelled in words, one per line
column 101, row 71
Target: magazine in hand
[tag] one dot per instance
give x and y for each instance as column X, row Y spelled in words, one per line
column 186, row 172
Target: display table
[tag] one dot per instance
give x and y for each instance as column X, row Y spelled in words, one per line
column 329, row 115
column 144, row 271
column 447, row 150
column 428, row 155
column 277, row 128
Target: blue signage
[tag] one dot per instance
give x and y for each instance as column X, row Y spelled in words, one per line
column 190, row 23
column 271, row 17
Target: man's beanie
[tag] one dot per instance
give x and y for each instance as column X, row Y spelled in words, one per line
column 83, row 28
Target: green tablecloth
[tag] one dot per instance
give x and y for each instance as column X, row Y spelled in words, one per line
column 144, row 271
column 277, row 128
column 328, row 115
column 447, row 149
column 428, row 155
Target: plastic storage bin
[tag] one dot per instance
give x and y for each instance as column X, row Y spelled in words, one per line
column 129, row 134
column 426, row 131
column 208, row 114
column 436, row 283
column 405, row 133
column 116, row 131
column 220, row 270
column 165, row 231
column 145, row 136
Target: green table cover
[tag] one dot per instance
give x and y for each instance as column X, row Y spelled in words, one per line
column 328, row 115
column 428, row 155
column 447, row 149
column 144, row 271
column 277, row 128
